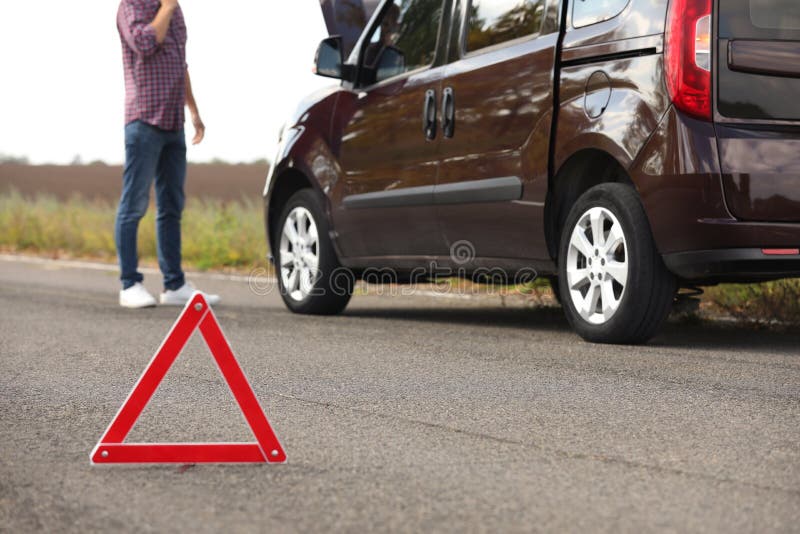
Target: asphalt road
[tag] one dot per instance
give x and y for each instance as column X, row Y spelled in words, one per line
column 404, row 414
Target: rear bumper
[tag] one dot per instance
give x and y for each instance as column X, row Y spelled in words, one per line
column 679, row 180
column 732, row 265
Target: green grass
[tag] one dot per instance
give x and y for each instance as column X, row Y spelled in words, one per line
column 761, row 304
column 216, row 235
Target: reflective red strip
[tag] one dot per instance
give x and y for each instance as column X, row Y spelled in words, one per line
column 780, row 251
column 183, row 453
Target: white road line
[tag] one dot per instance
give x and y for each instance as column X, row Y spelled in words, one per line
column 112, row 268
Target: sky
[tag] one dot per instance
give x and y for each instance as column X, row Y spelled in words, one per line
column 62, row 88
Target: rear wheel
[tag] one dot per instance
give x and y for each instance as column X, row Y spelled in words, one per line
column 613, row 283
column 310, row 277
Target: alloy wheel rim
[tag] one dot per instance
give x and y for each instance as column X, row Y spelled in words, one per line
column 597, row 265
column 299, row 254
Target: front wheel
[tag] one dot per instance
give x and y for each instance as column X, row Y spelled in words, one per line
column 310, row 277
column 614, row 285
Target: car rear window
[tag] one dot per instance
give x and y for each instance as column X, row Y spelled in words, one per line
column 775, row 14
column 492, row 22
column 753, row 95
column 759, row 19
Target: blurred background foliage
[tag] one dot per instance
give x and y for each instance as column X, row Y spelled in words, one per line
column 217, row 234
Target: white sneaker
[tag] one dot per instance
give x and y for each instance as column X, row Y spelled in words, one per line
column 181, row 296
column 136, row 296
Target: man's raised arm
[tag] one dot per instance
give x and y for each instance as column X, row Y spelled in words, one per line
column 160, row 24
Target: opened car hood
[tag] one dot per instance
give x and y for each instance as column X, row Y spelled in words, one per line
column 347, row 18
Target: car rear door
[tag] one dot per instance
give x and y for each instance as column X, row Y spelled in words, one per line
column 758, row 107
column 385, row 206
column 494, row 161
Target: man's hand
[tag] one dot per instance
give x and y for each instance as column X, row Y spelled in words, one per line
column 197, row 122
column 169, row 4
column 199, row 130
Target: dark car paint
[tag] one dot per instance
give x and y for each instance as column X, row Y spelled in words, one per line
column 383, row 149
column 761, row 173
column 610, row 99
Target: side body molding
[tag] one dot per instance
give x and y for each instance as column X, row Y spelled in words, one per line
column 503, row 189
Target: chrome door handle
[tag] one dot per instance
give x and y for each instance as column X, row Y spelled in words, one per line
column 429, row 122
column 449, row 113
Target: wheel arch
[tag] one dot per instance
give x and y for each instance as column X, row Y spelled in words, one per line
column 287, row 182
column 580, row 172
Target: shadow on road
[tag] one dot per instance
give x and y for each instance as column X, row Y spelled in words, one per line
column 697, row 335
column 733, row 336
column 549, row 318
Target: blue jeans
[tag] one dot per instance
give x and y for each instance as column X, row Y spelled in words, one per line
column 152, row 153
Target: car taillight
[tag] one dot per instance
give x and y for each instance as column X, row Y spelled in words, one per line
column 687, row 56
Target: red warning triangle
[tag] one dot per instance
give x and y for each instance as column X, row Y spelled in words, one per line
column 196, row 314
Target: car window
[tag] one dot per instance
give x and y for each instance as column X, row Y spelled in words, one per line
column 752, row 95
column 775, row 14
column 760, row 19
column 586, row 12
column 492, row 22
column 404, row 39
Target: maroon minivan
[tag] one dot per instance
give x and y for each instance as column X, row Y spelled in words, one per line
column 621, row 148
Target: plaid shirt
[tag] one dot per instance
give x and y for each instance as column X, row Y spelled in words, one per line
column 155, row 74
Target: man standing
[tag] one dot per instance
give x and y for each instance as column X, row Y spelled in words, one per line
column 157, row 87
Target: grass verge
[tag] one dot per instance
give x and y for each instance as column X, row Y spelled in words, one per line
column 230, row 236
column 768, row 304
column 216, row 234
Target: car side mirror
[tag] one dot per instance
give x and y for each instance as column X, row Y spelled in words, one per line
column 330, row 58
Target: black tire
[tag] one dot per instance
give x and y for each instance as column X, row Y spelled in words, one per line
column 650, row 289
column 333, row 285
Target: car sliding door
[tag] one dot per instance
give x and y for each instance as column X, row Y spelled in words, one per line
column 499, row 91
